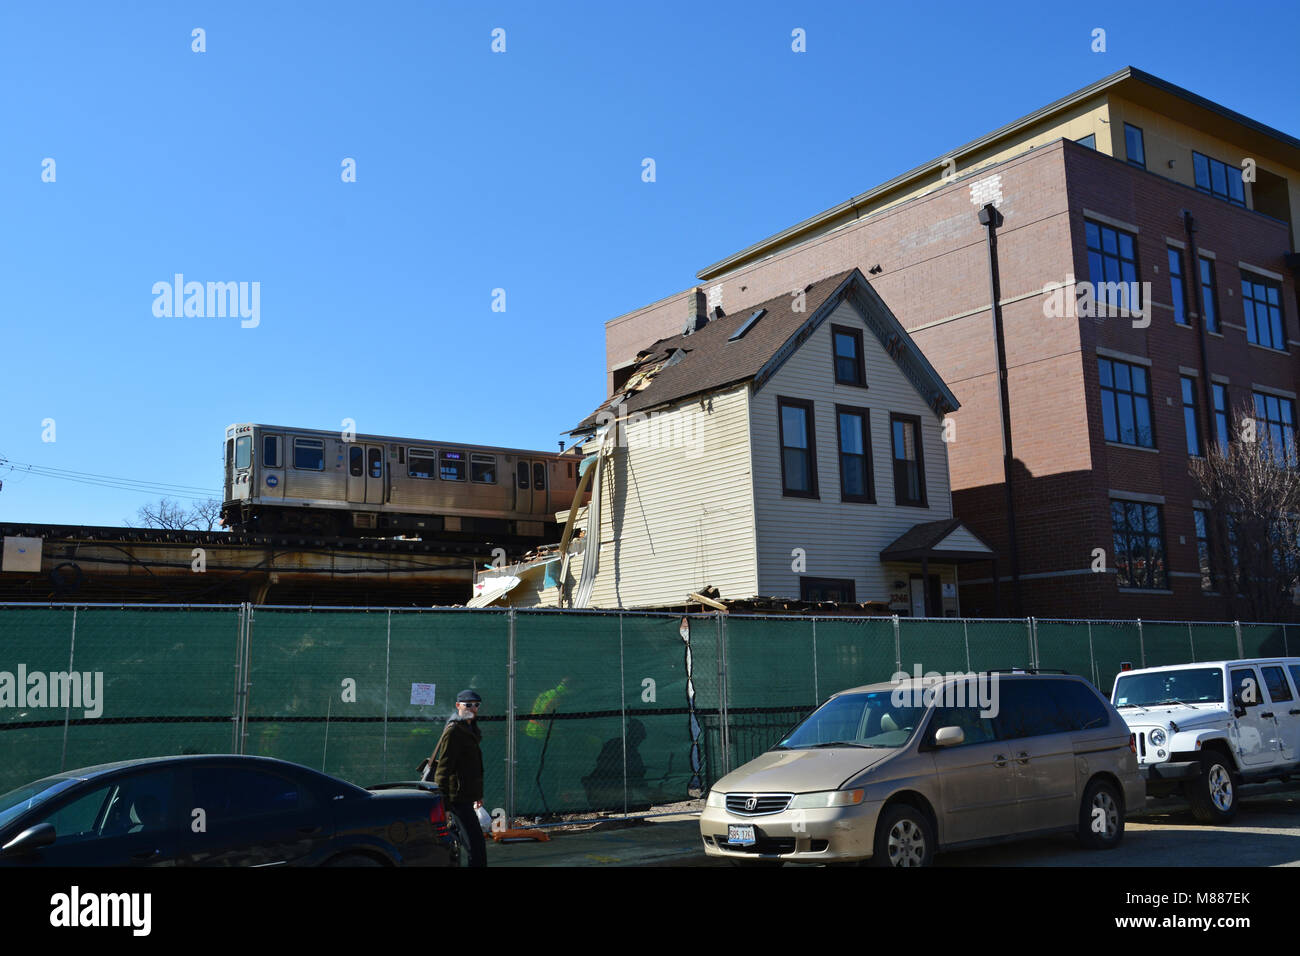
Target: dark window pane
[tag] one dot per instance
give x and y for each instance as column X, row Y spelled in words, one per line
column 309, row 454
column 521, row 474
column 539, row 475
column 356, row 461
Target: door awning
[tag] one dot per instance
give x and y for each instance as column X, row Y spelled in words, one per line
column 947, row 541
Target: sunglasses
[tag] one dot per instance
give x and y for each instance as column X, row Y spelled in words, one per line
column 471, row 703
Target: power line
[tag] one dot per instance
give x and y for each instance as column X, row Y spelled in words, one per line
column 108, row 481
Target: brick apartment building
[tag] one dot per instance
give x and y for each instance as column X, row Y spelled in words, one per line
column 1130, row 179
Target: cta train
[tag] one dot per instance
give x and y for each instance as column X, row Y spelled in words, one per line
column 330, row 483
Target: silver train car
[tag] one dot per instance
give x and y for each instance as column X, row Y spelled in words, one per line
column 329, row 483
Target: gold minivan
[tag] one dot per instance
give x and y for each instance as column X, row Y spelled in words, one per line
column 891, row 773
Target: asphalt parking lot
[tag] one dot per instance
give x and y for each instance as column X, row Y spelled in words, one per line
column 1266, row 832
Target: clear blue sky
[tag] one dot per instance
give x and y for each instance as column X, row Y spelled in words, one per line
column 475, row 170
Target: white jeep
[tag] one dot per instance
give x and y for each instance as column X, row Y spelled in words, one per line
column 1207, row 728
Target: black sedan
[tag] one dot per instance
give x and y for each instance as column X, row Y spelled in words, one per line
column 220, row 811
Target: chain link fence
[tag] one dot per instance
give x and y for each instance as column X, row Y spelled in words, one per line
column 582, row 710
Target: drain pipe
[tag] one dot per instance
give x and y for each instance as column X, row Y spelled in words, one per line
column 991, row 218
column 1207, row 390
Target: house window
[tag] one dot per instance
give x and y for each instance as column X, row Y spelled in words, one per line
column 1125, row 403
column 1204, row 552
column 909, row 462
column 419, row 463
column 309, row 454
column 798, row 448
column 849, row 368
column 1134, row 148
column 1139, row 544
column 1261, row 298
column 1189, row 416
column 1218, row 179
column 1209, row 295
column 1113, row 269
column 1275, row 425
column 1176, row 287
column 854, row 429
column 1220, row 395
column 1090, row 141
column 840, row 590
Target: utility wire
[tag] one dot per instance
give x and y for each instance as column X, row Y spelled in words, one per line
column 108, row 481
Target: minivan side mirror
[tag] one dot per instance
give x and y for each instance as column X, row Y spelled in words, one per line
column 33, row 838
column 949, row 737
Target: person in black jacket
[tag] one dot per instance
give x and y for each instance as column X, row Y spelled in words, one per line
column 459, row 773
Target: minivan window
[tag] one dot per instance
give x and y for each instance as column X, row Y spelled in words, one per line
column 1080, row 705
column 1029, row 708
column 977, row 729
column 872, row 719
column 1192, row 685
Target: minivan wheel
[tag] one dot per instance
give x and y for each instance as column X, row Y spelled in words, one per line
column 903, row 838
column 1101, row 816
column 1213, row 795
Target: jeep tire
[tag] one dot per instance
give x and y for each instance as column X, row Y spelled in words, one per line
column 1213, row 795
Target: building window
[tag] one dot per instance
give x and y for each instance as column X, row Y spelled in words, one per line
column 309, row 454
column 909, row 462
column 1189, row 417
column 1218, row 179
column 1209, row 295
column 1275, row 425
column 1134, row 147
column 849, row 368
column 1139, row 544
column 798, row 448
column 1090, row 141
column 839, row 590
column 1113, row 269
column 1176, row 287
column 1204, row 552
column 1220, row 394
column 1125, row 403
column 1261, row 299
column 483, row 469
column 854, row 429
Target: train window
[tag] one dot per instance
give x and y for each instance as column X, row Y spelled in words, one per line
column 419, row 463
column 356, row 461
column 309, row 454
column 483, row 469
column 539, row 475
column 271, row 452
column 243, row 451
column 452, row 466
column 521, row 474
column 376, row 463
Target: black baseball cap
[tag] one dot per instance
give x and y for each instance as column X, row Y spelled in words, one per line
column 468, row 697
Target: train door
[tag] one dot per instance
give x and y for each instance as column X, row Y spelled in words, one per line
column 523, row 486
column 365, row 474
column 356, row 473
column 541, row 488
column 374, row 474
column 270, row 469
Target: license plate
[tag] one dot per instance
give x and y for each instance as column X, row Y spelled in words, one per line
column 741, row 836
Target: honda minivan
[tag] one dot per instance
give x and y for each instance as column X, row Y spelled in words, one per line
column 892, row 773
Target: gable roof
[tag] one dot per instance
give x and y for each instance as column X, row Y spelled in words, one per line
column 708, row 359
column 944, row 540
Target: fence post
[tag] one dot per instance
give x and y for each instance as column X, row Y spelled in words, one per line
column 725, row 720
column 965, row 634
column 817, row 697
column 1092, row 656
column 622, row 703
column 510, row 715
column 1033, row 643
column 1286, row 646
column 1142, row 645
column 239, row 675
column 248, row 677
column 1191, row 641
column 898, row 648
column 67, row 711
column 388, row 657
column 1241, row 651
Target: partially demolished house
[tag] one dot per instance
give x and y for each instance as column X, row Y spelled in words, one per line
column 794, row 451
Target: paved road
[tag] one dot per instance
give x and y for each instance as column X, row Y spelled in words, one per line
column 1265, row 833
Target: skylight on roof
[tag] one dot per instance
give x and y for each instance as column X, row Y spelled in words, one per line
column 748, row 324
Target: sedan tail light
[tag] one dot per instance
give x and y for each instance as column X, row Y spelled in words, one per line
column 438, row 817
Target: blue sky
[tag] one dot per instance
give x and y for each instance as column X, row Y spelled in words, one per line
column 475, row 171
